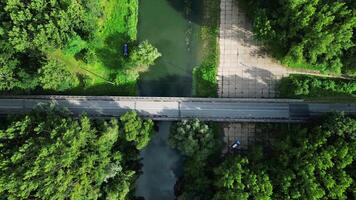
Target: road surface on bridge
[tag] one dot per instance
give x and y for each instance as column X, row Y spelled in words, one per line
column 171, row 108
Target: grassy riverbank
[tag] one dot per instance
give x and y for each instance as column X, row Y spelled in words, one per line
column 102, row 60
column 205, row 83
column 79, row 51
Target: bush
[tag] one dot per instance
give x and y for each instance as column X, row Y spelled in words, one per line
column 144, row 55
column 312, row 86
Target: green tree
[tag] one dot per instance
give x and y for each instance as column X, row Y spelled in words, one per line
column 137, row 130
column 40, row 24
column 144, row 55
column 200, row 143
column 237, row 179
column 314, row 162
column 315, row 32
column 193, row 138
column 50, row 155
column 55, row 76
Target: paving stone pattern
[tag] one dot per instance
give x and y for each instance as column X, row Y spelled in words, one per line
column 245, row 70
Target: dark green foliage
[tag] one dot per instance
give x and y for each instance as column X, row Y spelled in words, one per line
column 302, row 162
column 314, row 162
column 309, row 161
column 50, row 155
column 305, row 33
column 312, row 86
column 200, row 143
column 205, row 82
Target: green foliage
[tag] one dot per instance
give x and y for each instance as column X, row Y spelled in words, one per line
column 144, row 55
column 312, row 86
column 200, row 144
column 193, row 138
column 86, row 36
column 306, row 33
column 40, row 24
column 314, row 162
column 204, row 76
column 55, row 76
column 136, row 129
column 14, row 77
column 50, row 155
column 237, row 179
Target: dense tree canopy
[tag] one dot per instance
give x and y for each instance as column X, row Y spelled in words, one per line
column 314, row 163
column 193, row 138
column 28, row 29
column 306, row 161
column 237, row 179
column 199, row 142
column 49, row 155
column 308, row 32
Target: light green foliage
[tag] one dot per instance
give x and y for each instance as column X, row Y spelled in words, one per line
column 237, row 179
column 306, row 33
column 193, row 138
column 312, row 86
column 144, row 55
column 49, row 155
column 137, row 130
column 55, row 76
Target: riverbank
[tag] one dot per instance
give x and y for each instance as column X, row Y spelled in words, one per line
column 205, row 83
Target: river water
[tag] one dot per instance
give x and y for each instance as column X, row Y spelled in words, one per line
column 171, row 27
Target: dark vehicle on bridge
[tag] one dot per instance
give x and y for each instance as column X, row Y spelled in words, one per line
column 125, row 50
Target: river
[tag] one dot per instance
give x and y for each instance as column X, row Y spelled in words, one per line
column 171, row 27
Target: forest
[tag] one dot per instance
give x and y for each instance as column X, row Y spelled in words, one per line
column 300, row 161
column 71, row 46
column 315, row 34
column 49, row 154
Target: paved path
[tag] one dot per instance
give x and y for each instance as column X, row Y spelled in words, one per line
column 170, row 108
column 244, row 69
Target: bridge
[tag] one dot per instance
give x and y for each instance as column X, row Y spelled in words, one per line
column 176, row 108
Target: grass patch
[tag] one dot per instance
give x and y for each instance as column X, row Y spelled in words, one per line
column 205, row 83
column 320, row 88
column 98, row 62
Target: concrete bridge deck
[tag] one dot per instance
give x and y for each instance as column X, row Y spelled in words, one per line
column 176, row 108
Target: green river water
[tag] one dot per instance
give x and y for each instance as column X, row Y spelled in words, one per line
column 171, row 27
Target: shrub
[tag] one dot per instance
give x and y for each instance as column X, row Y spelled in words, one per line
column 312, row 86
